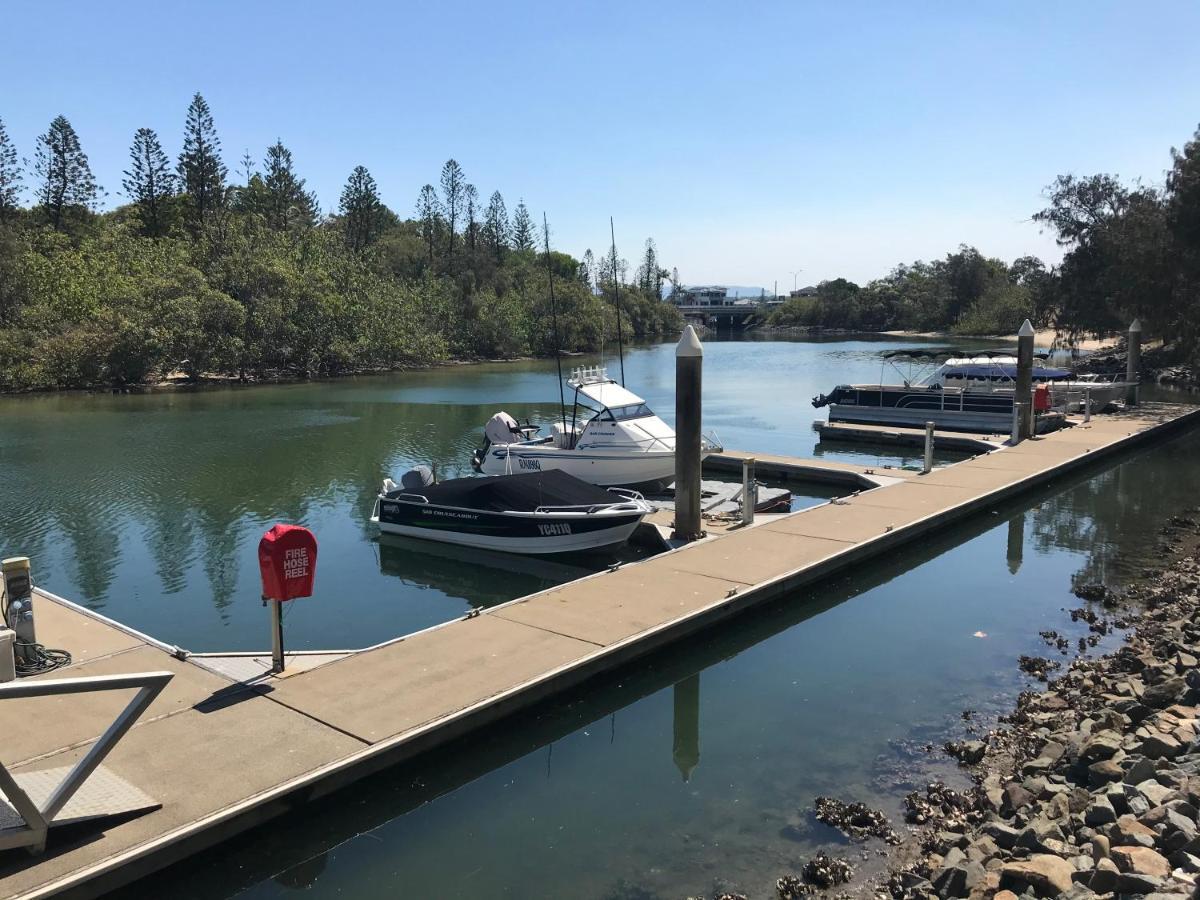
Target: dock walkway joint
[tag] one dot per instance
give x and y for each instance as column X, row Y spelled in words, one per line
column 222, row 755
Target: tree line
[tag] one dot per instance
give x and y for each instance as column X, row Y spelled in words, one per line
column 1131, row 251
column 213, row 273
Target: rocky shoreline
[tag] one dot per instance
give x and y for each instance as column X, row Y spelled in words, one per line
column 1088, row 787
column 1092, row 786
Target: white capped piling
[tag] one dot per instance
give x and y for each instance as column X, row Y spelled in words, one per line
column 689, row 365
column 1133, row 361
column 1024, row 387
column 1087, row 405
column 749, row 491
column 928, row 467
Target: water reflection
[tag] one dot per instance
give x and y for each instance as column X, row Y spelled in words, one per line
column 1115, row 514
column 479, row 578
column 303, row 876
column 685, row 748
column 1016, row 542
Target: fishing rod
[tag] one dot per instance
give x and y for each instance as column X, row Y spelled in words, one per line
column 617, row 299
column 562, row 400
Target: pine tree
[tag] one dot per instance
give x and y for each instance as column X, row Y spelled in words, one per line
column 361, row 209
column 149, row 181
column 10, row 176
column 495, row 226
column 522, row 228
column 429, row 214
column 286, row 200
column 471, row 231
column 247, row 167
column 587, row 269
column 62, row 165
column 648, row 275
column 200, row 168
column 453, row 185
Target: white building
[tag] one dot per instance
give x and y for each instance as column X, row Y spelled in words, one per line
column 709, row 295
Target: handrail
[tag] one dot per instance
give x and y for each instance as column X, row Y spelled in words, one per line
column 420, row 497
column 632, row 506
column 32, row 835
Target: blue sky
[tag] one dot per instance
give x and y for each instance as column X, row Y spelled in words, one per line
column 749, row 140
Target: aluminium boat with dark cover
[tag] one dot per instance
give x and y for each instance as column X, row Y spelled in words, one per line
column 549, row 511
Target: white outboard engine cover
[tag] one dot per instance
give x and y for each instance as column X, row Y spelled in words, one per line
column 502, row 429
column 416, row 479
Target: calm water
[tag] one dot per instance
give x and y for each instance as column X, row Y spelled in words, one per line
column 149, row 507
column 686, row 772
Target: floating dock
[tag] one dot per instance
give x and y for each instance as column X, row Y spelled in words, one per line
column 225, row 746
column 964, row 441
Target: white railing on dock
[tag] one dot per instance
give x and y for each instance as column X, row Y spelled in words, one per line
column 32, row 835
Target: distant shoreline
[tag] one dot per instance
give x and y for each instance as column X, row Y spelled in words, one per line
column 178, row 382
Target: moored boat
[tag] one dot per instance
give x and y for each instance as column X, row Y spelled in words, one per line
column 622, row 442
column 536, row 512
column 966, row 392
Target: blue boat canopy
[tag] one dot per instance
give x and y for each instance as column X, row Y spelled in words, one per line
column 1002, row 370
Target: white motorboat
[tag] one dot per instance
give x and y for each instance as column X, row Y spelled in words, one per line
column 622, row 442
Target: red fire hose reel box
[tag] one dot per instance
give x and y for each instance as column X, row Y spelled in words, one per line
column 1041, row 398
column 287, row 560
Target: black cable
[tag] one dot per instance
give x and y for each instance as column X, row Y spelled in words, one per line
column 46, row 659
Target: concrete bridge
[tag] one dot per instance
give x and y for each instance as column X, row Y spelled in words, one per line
column 723, row 317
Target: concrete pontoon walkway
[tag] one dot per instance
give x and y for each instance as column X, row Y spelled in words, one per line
column 963, row 441
column 222, row 755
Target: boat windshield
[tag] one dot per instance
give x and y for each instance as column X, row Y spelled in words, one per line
column 624, row 413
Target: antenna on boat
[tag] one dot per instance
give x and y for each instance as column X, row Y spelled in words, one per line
column 617, row 298
column 562, row 400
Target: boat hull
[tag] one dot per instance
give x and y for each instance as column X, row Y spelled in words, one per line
column 644, row 470
column 536, row 533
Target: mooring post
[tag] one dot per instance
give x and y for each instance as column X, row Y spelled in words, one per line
column 1087, row 405
column 276, row 635
column 749, row 491
column 1133, row 361
column 1014, row 437
column 689, row 364
column 928, row 467
column 1024, row 386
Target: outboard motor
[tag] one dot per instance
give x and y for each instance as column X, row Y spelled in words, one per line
column 825, row 399
column 417, row 479
column 500, row 429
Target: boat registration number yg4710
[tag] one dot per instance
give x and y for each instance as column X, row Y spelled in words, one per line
column 549, row 528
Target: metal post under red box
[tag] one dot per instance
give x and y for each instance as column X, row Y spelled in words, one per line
column 287, row 561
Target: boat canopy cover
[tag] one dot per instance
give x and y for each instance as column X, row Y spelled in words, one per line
column 524, row 492
column 1001, row 370
column 609, row 394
